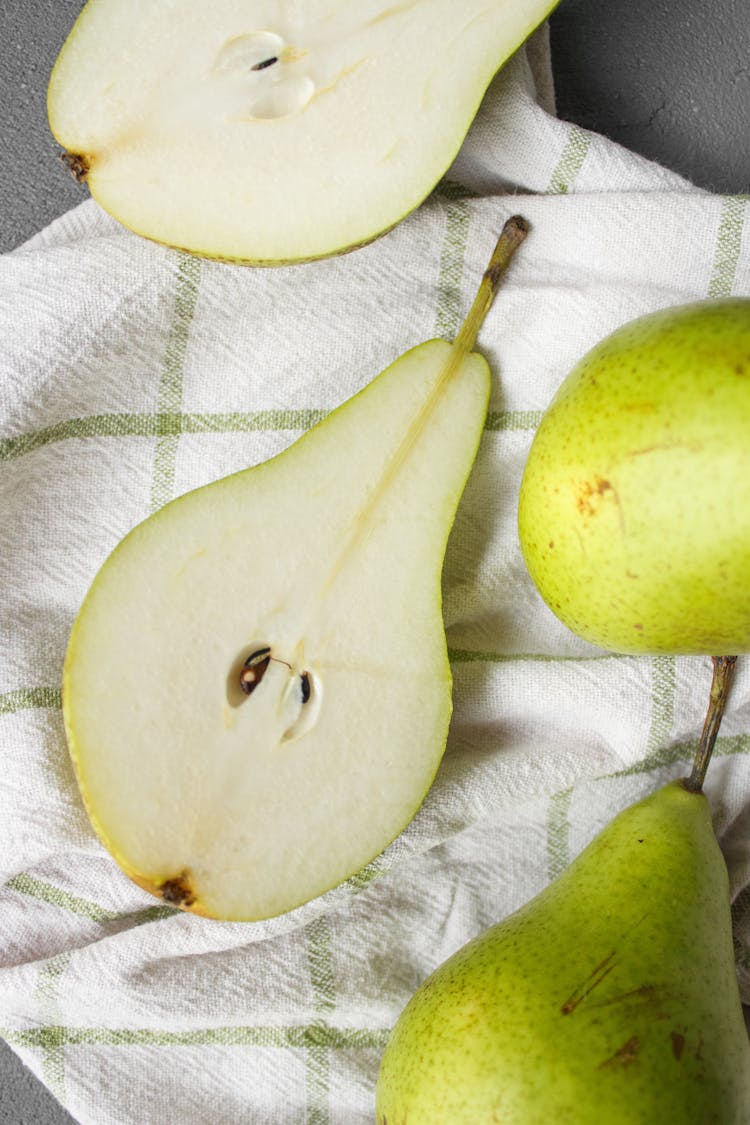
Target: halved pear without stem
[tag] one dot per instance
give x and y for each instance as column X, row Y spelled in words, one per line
column 269, row 131
column 256, row 691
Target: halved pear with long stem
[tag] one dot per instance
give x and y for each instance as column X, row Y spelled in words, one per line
column 267, row 131
column 256, row 691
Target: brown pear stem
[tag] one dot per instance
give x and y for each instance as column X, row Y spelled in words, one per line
column 723, row 669
column 511, row 236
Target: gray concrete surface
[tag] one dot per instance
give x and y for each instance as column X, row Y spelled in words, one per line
column 671, row 81
column 34, row 186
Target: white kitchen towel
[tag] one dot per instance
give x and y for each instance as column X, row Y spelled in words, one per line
column 130, row 373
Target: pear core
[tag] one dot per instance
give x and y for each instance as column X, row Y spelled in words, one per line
column 634, row 510
column 269, row 132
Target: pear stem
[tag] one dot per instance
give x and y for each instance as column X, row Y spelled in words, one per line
column 511, row 236
column 723, row 669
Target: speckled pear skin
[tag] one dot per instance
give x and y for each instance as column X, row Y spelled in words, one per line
column 634, row 511
column 609, row 999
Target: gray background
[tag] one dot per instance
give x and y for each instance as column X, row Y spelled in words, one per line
column 668, row 80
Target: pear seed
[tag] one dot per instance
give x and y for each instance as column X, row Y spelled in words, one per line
column 254, row 669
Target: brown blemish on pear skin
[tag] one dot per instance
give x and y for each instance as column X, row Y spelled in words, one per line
column 678, row 1044
column 595, row 978
column 648, row 995
column 667, row 447
column 623, row 1056
column 587, row 501
column 591, row 495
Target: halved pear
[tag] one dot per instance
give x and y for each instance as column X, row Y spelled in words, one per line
column 266, row 131
column 256, row 691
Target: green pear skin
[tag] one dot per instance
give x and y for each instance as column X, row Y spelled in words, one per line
column 609, row 999
column 634, row 510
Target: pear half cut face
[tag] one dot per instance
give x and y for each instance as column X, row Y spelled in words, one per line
column 267, row 131
column 256, row 689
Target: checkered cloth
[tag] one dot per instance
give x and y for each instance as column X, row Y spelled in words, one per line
column 129, row 374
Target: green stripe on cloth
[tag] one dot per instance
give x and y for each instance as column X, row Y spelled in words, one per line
column 27, row 699
column 317, row 1059
column 42, row 891
column 448, row 312
column 513, row 420
column 320, row 963
column 45, row 892
column 728, row 246
column 53, row 1054
column 52, row 1036
column 318, row 1084
column 663, row 671
column 158, row 425
column 571, row 161
column 170, row 386
column 362, row 878
column 558, row 845
column 726, row 746
column 451, row 190
column 172, row 424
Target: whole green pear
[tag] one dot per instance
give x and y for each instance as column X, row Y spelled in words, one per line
column 610, row 999
column 634, row 511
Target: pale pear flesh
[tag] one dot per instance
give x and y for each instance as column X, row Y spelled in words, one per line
column 330, row 555
column 612, row 996
column 634, row 510
column 256, row 690
column 266, row 131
